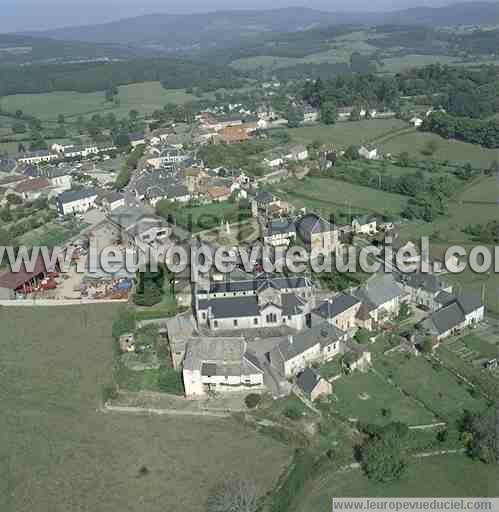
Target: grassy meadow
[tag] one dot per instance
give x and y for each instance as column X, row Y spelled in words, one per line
column 143, row 97
column 328, row 195
column 60, row 452
column 447, row 149
column 449, row 475
column 344, row 134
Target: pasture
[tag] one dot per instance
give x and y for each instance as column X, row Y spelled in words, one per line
column 60, row 452
column 435, row 387
column 447, row 149
column 328, row 196
column 368, row 398
column 143, row 97
column 344, row 134
column 449, row 475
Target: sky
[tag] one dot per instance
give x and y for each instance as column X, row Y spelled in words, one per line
column 18, row 15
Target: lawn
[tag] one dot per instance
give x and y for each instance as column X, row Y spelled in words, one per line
column 436, row 388
column 60, row 452
column 447, row 149
column 450, row 475
column 143, row 97
column 328, row 195
column 344, row 134
column 364, row 396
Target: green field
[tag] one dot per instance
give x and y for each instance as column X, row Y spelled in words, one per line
column 144, row 97
column 363, row 396
column 448, row 149
column 436, row 388
column 450, row 475
column 59, row 452
column 344, row 134
column 339, row 52
column 328, row 195
column 398, row 64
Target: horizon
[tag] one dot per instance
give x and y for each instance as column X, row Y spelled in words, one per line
column 24, row 15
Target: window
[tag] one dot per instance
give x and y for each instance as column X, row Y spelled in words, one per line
column 204, row 316
column 215, row 323
column 283, row 319
column 235, row 323
column 255, row 321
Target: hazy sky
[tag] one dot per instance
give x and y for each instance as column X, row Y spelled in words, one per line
column 16, row 15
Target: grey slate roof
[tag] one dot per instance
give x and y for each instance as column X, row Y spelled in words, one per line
column 379, row 290
column 307, row 380
column 292, row 346
column 312, row 224
column 429, row 282
column 259, row 282
column 469, row 302
column 75, row 195
column 338, row 305
column 447, row 318
column 281, row 227
column 264, row 197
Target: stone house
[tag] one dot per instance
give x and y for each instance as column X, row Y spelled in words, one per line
column 312, row 385
column 317, row 233
column 220, row 365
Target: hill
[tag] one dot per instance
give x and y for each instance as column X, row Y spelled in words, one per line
column 21, row 49
column 226, row 28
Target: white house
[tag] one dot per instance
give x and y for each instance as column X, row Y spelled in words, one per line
column 416, row 121
column 38, row 157
column 365, row 225
column 76, row 201
column 368, row 153
column 220, row 365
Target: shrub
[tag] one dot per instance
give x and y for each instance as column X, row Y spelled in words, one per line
column 109, row 392
column 292, row 412
column 170, row 381
column 252, row 400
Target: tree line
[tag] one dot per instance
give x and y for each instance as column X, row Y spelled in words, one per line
column 103, row 76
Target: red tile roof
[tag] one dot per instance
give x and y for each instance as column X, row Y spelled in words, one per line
column 14, row 280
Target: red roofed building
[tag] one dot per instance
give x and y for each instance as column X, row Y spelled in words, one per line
column 22, row 282
column 32, row 189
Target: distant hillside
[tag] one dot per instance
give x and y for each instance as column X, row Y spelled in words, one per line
column 228, row 28
column 20, row 49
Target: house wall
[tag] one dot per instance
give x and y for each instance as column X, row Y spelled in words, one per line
column 323, row 388
column 301, row 361
column 80, row 206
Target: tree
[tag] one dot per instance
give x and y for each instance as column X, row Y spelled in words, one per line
column 328, row 112
column 430, row 148
column 362, row 336
column 134, row 115
column 493, row 169
column 21, row 148
column 426, row 346
column 19, row 114
column 61, row 119
column 19, row 128
column 235, row 495
column 382, row 455
column 482, row 434
column 294, row 116
column 403, row 159
column 252, row 400
column 352, row 153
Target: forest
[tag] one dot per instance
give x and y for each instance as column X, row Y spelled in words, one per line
column 90, row 77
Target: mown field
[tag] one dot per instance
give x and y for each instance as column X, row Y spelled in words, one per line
column 344, row 134
column 415, row 142
column 328, row 196
column 450, row 475
column 59, row 452
column 143, row 97
column 366, row 396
